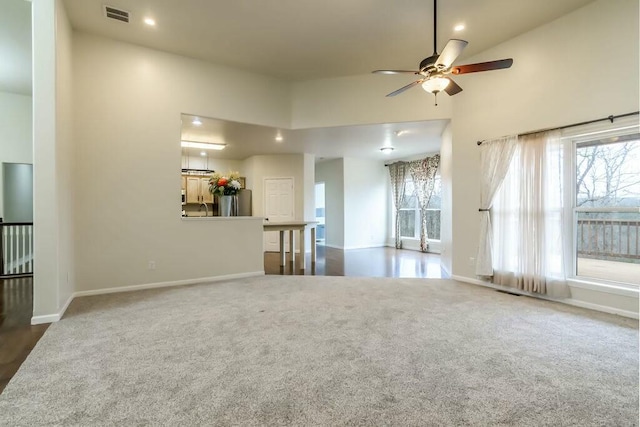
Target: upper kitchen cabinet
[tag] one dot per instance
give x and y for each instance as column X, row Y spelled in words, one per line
column 198, row 189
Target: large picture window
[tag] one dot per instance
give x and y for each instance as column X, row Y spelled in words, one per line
column 606, row 215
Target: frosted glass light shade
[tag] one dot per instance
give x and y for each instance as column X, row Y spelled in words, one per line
column 435, row 84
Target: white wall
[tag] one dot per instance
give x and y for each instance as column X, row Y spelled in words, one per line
column 276, row 166
column 16, row 137
column 365, row 203
column 560, row 76
column 331, row 172
column 446, row 207
column 361, row 100
column 533, row 95
column 64, row 155
column 128, row 100
column 127, row 105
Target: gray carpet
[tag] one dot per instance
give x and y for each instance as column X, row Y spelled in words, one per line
column 328, row 351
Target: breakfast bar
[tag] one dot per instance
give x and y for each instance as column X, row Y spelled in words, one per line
column 292, row 226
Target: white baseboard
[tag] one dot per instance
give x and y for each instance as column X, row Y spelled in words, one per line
column 333, row 246
column 50, row 318
column 568, row 301
column 598, row 307
column 346, row 248
column 168, row 284
column 371, row 245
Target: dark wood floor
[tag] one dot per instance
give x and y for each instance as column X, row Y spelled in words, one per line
column 18, row 337
column 370, row 262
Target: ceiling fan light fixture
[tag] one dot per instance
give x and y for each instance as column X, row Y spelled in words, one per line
column 435, row 84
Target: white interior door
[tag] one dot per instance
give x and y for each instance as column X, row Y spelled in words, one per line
column 278, row 199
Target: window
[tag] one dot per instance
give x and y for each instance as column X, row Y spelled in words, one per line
column 606, row 214
column 410, row 212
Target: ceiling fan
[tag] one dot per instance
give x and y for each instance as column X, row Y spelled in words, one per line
column 435, row 69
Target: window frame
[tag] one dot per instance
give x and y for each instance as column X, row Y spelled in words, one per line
column 573, row 140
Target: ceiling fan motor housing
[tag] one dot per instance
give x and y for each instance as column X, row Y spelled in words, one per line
column 428, row 63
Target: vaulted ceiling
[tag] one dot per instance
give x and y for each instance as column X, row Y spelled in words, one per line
column 311, row 39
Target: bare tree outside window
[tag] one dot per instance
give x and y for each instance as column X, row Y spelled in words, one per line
column 608, row 177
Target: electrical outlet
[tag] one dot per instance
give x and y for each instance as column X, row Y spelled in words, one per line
column 152, row 265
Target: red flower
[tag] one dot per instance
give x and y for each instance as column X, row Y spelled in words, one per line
column 222, row 182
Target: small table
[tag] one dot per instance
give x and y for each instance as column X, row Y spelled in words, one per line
column 292, row 226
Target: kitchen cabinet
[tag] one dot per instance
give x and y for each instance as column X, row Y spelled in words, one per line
column 207, row 197
column 197, row 188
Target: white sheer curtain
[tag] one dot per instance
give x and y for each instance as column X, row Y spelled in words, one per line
column 495, row 158
column 528, row 219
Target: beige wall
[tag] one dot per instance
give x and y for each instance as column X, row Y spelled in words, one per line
column 446, row 207
column 366, row 197
column 127, row 107
column 331, row 172
column 52, row 142
column 65, row 168
column 554, row 81
column 361, row 100
column 127, row 104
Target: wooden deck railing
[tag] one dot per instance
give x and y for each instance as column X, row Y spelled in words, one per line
column 612, row 239
column 16, row 249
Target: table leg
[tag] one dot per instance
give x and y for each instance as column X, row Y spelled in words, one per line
column 313, row 245
column 292, row 249
column 303, row 247
column 282, row 253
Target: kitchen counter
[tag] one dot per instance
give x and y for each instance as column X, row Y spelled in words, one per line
column 220, row 218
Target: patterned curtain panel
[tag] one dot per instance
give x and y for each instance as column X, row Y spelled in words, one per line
column 397, row 173
column 423, row 174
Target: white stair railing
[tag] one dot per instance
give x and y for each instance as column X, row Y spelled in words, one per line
column 16, row 248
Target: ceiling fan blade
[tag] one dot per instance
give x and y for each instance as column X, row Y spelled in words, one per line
column 395, row 72
column 482, row 66
column 452, row 88
column 402, row 89
column 451, row 51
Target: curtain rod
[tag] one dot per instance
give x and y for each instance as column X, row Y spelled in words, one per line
column 610, row 118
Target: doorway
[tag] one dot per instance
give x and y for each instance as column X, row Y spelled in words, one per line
column 278, row 207
column 17, row 192
column 320, row 213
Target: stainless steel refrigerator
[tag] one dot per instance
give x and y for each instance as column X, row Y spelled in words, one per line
column 244, row 203
column 240, row 205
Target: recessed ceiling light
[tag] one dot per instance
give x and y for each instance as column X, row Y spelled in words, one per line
column 202, row 145
column 386, row 150
column 458, row 27
column 202, row 153
column 279, row 138
column 401, row 132
column 196, row 122
column 150, row 21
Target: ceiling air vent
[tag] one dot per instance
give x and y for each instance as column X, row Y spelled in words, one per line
column 119, row 14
